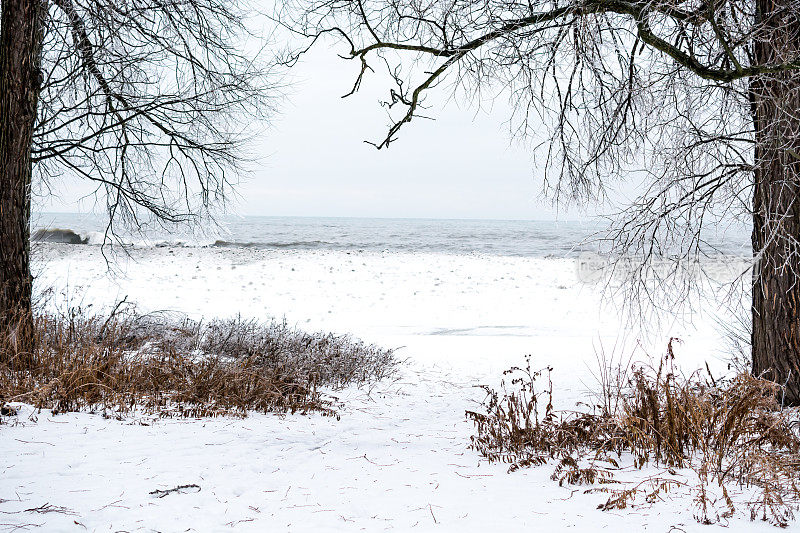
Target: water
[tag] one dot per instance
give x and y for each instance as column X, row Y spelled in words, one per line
column 492, row 237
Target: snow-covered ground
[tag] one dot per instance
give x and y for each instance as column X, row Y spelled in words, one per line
column 397, row 460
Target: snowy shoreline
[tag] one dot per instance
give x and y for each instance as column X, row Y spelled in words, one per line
column 399, row 457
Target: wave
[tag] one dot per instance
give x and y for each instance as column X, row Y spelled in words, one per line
column 69, row 236
column 63, row 236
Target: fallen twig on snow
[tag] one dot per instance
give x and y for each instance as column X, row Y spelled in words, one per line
column 181, row 489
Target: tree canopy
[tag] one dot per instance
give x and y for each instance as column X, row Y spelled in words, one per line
column 149, row 100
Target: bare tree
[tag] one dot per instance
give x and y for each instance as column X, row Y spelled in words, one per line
column 696, row 101
column 149, row 99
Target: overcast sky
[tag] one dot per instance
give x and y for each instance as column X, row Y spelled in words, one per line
column 313, row 161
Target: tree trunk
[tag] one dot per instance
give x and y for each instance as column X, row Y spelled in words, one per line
column 775, row 103
column 21, row 36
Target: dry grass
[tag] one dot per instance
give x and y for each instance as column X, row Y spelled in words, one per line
column 730, row 433
column 171, row 366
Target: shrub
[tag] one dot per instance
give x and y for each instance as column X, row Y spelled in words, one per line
column 728, row 431
column 171, row 366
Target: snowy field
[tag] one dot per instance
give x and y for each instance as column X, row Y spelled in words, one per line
column 397, row 460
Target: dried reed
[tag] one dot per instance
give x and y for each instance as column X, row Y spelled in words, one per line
column 172, row 366
column 730, row 432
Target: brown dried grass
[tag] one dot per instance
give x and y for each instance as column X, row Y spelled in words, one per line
column 170, row 366
column 731, row 432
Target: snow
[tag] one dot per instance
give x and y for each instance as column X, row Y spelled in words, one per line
column 397, row 460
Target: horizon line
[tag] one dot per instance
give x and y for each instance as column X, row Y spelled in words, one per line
column 357, row 217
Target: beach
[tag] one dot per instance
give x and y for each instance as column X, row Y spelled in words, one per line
column 399, row 457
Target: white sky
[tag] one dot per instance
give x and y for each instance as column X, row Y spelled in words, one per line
column 313, row 161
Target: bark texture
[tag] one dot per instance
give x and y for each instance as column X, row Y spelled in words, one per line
column 20, row 81
column 776, row 202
